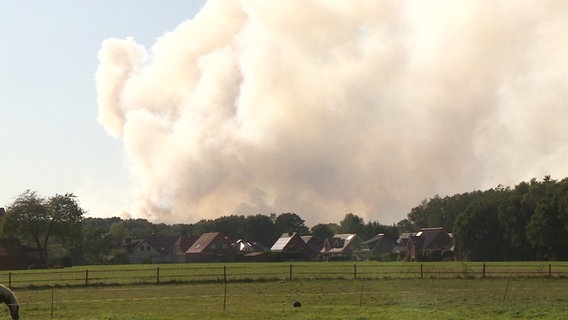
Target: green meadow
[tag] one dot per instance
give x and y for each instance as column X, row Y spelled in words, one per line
column 81, row 276
column 527, row 298
column 325, row 291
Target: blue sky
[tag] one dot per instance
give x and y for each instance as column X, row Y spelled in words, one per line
column 51, row 141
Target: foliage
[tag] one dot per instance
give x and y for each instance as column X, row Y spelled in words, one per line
column 325, row 230
column 290, row 222
column 38, row 221
column 527, row 222
column 351, row 223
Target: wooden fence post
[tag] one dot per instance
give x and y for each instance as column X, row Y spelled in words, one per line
column 9, row 279
column 158, row 275
column 86, row 277
column 354, row 271
column 224, row 287
column 290, row 271
column 421, row 271
column 550, row 270
column 483, row 272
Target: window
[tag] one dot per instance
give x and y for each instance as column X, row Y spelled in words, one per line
column 212, row 246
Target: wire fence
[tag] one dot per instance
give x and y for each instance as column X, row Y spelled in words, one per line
column 184, row 273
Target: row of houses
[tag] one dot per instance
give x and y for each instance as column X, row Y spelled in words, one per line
column 427, row 244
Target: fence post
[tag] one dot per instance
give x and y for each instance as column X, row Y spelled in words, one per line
column 225, row 274
column 421, row 271
column 86, row 277
column 158, row 275
column 483, row 272
column 354, row 271
column 550, row 270
column 9, row 279
column 290, row 271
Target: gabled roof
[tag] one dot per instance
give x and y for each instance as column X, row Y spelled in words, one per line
column 428, row 235
column 242, row 245
column 130, row 245
column 183, row 243
column 339, row 242
column 379, row 243
column 377, row 237
column 201, row 244
column 290, row 242
column 162, row 244
column 314, row 243
column 281, row 243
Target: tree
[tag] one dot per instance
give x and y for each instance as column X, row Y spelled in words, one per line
column 39, row 220
column 351, row 224
column 260, row 228
column 478, row 231
column 327, row 230
column 290, row 222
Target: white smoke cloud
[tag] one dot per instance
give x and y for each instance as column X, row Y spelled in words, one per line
column 328, row 107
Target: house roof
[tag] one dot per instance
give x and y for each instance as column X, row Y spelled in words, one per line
column 314, row 243
column 204, row 241
column 427, row 235
column 281, row 243
column 183, row 243
column 377, row 237
column 289, row 242
column 242, row 245
column 162, row 244
column 339, row 242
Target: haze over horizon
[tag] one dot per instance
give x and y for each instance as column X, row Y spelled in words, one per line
column 325, row 107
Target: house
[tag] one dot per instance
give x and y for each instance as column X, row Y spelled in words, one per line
column 13, row 255
column 378, row 247
column 405, row 248
column 432, row 243
column 211, row 247
column 290, row 246
column 315, row 245
column 341, row 246
column 427, row 244
column 182, row 244
column 156, row 249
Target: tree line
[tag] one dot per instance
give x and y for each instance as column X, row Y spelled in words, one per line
column 526, row 222
column 58, row 229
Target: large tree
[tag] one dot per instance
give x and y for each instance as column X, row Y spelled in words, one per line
column 36, row 220
column 351, row 223
column 290, row 222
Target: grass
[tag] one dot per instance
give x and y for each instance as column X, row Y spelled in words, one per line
column 448, row 298
column 211, row 272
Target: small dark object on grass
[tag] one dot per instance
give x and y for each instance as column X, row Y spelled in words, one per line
column 297, row 304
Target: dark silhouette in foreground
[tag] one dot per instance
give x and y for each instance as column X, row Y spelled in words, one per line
column 9, row 298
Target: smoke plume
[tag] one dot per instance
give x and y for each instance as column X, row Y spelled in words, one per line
column 329, row 107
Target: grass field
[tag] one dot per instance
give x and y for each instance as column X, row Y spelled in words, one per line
column 523, row 298
column 218, row 272
column 326, row 290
